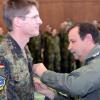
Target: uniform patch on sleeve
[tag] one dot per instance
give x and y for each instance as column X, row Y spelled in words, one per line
column 1, row 66
column 2, row 83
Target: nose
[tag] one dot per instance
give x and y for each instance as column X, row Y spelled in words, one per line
column 69, row 46
column 40, row 21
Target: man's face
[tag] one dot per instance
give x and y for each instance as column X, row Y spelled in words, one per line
column 77, row 46
column 1, row 31
column 32, row 22
column 48, row 28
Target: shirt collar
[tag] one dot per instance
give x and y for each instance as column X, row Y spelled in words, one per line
column 14, row 46
column 94, row 52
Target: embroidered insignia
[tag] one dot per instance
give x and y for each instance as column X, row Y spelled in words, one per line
column 1, row 66
column 2, row 83
column 2, row 79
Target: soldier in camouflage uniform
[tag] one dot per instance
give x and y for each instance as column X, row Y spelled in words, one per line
column 24, row 21
column 35, row 48
column 45, row 45
column 16, row 70
column 1, row 34
column 53, row 51
column 67, row 63
column 1, row 38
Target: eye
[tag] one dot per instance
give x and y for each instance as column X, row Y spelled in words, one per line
column 35, row 17
column 72, row 41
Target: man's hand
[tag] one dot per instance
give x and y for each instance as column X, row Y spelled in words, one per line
column 43, row 89
column 39, row 69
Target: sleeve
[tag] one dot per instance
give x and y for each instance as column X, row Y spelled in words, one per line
column 78, row 83
column 60, row 96
column 3, row 79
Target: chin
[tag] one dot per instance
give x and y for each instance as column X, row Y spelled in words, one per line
column 35, row 34
column 76, row 57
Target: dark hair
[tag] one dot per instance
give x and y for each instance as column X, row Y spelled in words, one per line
column 16, row 8
column 87, row 28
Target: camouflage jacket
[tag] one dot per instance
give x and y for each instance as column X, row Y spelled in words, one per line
column 17, row 71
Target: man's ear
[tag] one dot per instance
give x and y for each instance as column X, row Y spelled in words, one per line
column 17, row 21
column 89, row 37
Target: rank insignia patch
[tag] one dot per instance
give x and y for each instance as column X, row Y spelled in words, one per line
column 1, row 66
column 2, row 83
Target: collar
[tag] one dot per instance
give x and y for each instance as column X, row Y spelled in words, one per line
column 15, row 48
column 95, row 52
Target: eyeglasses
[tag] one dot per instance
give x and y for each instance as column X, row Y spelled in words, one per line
column 32, row 17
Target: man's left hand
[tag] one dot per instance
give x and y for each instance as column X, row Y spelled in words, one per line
column 39, row 69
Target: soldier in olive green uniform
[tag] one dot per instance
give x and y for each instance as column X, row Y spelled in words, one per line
column 1, row 34
column 45, row 45
column 1, row 38
column 53, row 51
column 35, row 48
column 67, row 60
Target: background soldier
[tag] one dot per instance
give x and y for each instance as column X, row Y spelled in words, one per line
column 44, row 50
column 35, row 48
column 67, row 60
column 1, row 34
column 53, row 51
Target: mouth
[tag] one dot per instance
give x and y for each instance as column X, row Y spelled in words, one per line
column 73, row 52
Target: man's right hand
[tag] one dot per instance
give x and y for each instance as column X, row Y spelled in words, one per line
column 43, row 89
